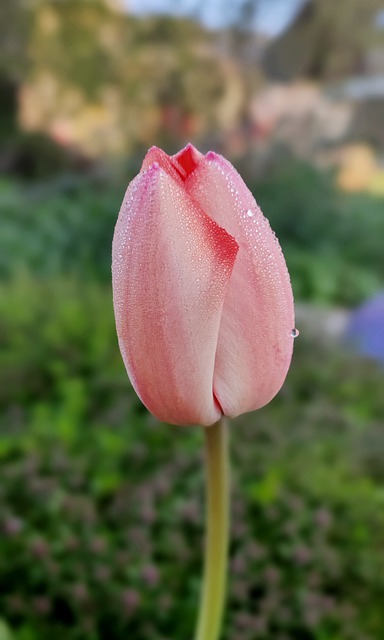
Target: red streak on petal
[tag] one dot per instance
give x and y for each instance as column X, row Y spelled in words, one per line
column 217, row 403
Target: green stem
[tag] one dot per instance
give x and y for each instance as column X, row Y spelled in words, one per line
column 217, row 532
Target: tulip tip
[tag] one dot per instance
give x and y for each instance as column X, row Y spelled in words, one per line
column 186, row 160
column 211, row 155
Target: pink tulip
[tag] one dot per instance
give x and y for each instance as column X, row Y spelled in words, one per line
column 202, row 295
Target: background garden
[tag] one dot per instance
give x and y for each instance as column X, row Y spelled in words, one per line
column 101, row 507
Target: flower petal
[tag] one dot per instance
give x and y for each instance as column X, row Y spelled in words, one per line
column 171, row 266
column 255, row 343
column 179, row 166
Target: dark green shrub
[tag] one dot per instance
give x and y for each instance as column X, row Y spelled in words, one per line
column 61, row 228
column 332, row 241
column 101, row 508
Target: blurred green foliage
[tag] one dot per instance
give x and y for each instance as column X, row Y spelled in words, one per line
column 62, row 227
column 332, row 240
column 101, row 508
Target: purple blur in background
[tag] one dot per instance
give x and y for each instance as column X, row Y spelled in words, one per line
column 365, row 330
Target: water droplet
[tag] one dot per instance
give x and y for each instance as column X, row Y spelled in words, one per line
column 294, row 333
column 250, row 213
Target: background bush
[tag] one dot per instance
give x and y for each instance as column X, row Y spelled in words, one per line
column 102, row 508
column 332, row 241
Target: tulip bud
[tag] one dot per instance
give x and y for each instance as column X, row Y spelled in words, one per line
column 202, row 296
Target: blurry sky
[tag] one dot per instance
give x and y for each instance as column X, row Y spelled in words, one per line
column 380, row 19
column 271, row 15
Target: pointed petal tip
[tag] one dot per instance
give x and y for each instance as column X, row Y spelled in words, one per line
column 154, row 148
column 154, row 155
column 212, row 155
column 186, row 160
column 188, row 146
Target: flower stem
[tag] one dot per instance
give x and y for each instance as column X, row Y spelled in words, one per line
column 217, row 532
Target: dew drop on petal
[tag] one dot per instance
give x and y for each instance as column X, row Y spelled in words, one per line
column 295, row 332
column 250, row 213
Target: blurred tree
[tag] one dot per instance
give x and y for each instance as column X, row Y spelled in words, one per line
column 15, row 24
column 327, row 40
column 22, row 49
column 105, row 79
column 70, row 39
column 14, row 37
column 97, row 78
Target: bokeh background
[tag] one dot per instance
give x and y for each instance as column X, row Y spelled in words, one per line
column 101, row 508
